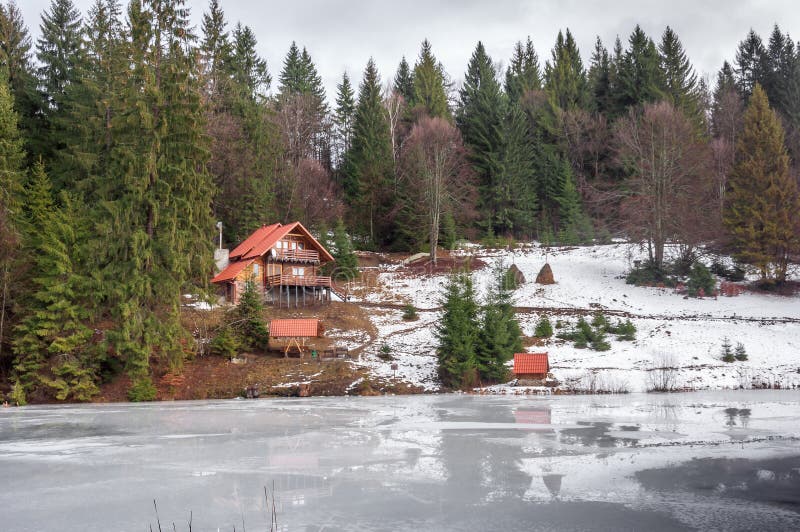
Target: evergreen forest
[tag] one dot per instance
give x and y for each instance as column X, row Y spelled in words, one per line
column 127, row 132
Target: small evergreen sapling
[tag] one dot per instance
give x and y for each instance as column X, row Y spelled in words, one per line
column 701, row 281
column 726, row 351
column 410, row 313
column 625, row 331
column 543, row 329
column 739, row 353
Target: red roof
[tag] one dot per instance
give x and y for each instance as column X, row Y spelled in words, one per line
column 270, row 240
column 266, row 236
column 293, row 328
column 527, row 363
column 258, row 235
column 233, row 269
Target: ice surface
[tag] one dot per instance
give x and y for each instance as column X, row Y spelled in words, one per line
column 703, row 460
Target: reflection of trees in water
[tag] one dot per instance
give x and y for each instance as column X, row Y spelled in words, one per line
column 594, row 434
column 734, row 414
column 667, row 414
column 480, row 463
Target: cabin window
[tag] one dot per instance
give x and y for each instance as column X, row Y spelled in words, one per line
column 298, row 271
column 255, row 270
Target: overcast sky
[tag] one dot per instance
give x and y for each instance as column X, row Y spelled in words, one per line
column 342, row 35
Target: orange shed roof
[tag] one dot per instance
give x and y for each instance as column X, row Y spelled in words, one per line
column 525, row 363
column 294, row 328
column 233, row 269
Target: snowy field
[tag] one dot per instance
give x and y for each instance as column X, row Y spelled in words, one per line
column 701, row 460
column 685, row 332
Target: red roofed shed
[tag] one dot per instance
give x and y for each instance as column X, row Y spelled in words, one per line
column 298, row 328
column 531, row 365
column 287, row 334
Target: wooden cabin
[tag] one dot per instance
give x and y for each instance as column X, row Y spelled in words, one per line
column 531, row 366
column 293, row 334
column 283, row 262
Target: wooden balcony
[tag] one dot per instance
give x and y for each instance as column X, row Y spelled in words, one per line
column 297, row 255
column 298, row 280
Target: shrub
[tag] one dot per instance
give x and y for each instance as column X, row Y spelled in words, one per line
column 143, row 389
column 701, row 281
column 600, row 344
column 17, row 395
column 739, row 353
column 385, row 353
column 625, row 331
column 735, row 273
column 726, row 352
column 225, row 343
column 543, row 328
column 410, row 313
column 599, row 321
column 649, row 274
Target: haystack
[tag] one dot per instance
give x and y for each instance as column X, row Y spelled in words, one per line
column 545, row 275
column 515, row 274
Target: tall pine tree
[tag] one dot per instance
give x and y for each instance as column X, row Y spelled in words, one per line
column 565, row 76
column 369, row 165
column 430, row 85
column 762, row 204
column 523, row 72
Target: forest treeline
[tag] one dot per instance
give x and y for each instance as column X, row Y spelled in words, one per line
column 125, row 133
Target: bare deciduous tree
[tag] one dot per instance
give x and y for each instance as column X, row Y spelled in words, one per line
column 668, row 168
column 434, row 164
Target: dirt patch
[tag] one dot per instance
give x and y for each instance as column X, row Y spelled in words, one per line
column 444, row 264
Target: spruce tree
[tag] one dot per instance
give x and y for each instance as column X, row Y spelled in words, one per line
column 248, row 70
column 215, row 48
column 523, row 72
column 345, row 257
column 12, row 177
column 640, row 78
column 155, row 224
column 751, row 64
column 58, row 50
column 18, row 68
column 344, row 115
column 565, row 76
column 54, row 314
column 404, row 80
column 479, row 117
column 781, row 61
column 83, row 128
column 430, row 85
column 680, row 80
column 457, row 333
column 369, row 163
column 600, row 78
column 762, row 202
column 500, row 335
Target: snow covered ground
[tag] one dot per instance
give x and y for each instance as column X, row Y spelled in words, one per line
column 686, row 333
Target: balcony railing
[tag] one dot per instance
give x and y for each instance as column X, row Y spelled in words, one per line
column 298, row 280
column 297, row 255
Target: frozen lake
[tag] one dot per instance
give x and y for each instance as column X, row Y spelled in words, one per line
column 706, row 460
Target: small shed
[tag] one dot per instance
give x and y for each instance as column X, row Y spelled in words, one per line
column 531, row 366
column 286, row 334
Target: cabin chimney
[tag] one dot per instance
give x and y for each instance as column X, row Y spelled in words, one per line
column 221, row 256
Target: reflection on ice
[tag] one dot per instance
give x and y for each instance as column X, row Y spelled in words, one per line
column 448, row 462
